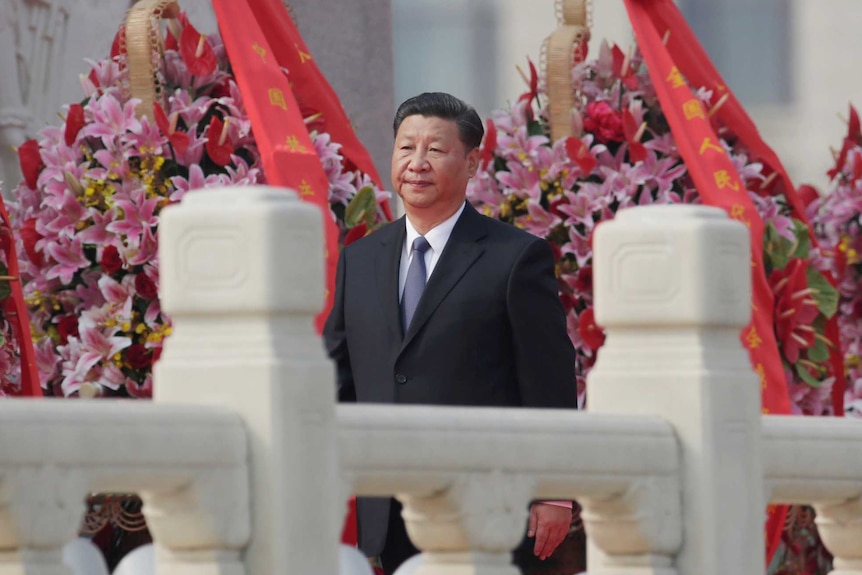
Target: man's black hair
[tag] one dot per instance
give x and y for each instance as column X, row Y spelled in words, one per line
column 447, row 107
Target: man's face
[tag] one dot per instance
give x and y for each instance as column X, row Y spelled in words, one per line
column 431, row 166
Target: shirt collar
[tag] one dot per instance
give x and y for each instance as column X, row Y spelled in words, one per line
column 437, row 236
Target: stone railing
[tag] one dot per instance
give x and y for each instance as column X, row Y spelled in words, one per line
column 245, row 462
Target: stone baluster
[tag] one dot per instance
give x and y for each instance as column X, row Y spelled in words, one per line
column 673, row 290
column 41, row 508
column 242, row 278
column 840, row 527
column 472, row 527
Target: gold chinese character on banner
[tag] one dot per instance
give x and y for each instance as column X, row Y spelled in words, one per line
column 305, row 189
column 761, row 373
column 709, row 145
column 693, row 109
column 723, row 179
column 675, row 78
column 276, row 98
column 303, row 56
column 752, row 338
column 294, row 145
column 261, row 51
column 737, row 212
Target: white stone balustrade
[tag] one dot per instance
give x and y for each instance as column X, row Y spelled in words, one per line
column 466, row 476
column 245, row 462
column 53, row 453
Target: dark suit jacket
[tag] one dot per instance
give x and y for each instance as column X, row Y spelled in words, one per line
column 488, row 331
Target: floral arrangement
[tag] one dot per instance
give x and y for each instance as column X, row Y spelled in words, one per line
column 622, row 155
column 10, row 372
column 88, row 209
column 838, row 225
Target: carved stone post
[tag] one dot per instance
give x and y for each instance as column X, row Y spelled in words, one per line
column 840, row 527
column 40, row 511
column 472, row 527
column 673, row 291
column 242, row 278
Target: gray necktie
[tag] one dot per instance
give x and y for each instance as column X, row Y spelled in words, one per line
column 415, row 284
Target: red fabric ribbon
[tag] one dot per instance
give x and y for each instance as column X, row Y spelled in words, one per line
column 312, row 90
column 15, row 312
column 693, row 62
column 287, row 153
column 717, row 182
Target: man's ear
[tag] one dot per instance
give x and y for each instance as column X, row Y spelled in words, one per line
column 473, row 161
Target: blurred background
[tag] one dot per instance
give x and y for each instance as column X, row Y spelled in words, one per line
column 793, row 63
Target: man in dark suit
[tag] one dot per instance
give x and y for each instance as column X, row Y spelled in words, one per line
column 447, row 307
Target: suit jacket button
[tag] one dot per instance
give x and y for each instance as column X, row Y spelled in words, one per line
column 401, row 378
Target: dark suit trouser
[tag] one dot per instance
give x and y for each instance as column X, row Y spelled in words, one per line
column 398, row 548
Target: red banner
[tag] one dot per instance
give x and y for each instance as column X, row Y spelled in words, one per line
column 718, row 184
column 309, row 85
column 286, row 150
column 694, row 64
column 15, row 312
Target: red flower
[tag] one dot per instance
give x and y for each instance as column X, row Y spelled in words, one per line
column 490, row 144
column 589, row 331
column 221, row 89
column 145, row 287
column 633, row 134
column 171, row 41
column 74, row 123
column 29, row 237
column 357, row 232
column 533, row 92
column 604, row 122
column 584, row 281
column 110, row 262
column 579, row 153
column 795, row 310
column 179, row 140
column 807, row 194
column 568, row 302
column 115, row 45
column 623, row 69
column 197, row 52
column 219, row 147
column 67, row 326
column 138, row 357
column 31, row 162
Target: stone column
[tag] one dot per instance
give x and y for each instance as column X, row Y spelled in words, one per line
column 673, row 290
column 242, row 278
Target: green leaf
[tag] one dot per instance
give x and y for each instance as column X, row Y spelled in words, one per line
column 803, row 243
column 825, row 295
column 5, row 286
column 819, row 352
column 534, row 128
column 807, row 377
column 776, row 248
column 362, row 208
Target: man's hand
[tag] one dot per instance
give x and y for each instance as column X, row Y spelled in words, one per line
column 549, row 524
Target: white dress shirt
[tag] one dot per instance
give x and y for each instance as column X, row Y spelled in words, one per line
column 437, row 237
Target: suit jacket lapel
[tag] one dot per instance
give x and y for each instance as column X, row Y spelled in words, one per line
column 387, row 268
column 460, row 252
